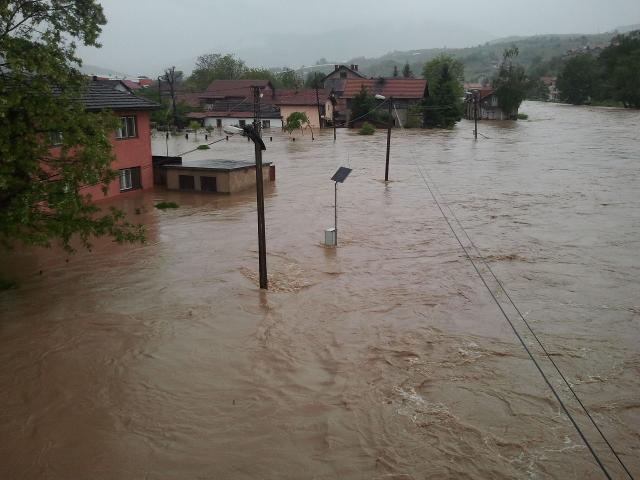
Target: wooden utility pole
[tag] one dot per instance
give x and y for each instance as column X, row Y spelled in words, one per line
column 172, row 78
column 386, row 167
column 318, row 103
column 262, row 243
column 475, row 115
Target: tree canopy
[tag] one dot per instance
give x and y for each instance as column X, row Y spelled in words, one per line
column 510, row 83
column 620, row 69
column 611, row 77
column 362, row 105
column 215, row 66
column 442, row 108
column 296, row 121
column 578, row 81
column 432, row 71
column 41, row 196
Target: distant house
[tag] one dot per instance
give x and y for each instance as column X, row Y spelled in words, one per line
column 406, row 92
column 305, row 101
column 230, row 102
column 550, row 83
column 131, row 141
column 488, row 105
column 221, row 119
column 335, row 80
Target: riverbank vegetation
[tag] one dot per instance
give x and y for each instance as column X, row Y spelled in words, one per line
column 611, row 77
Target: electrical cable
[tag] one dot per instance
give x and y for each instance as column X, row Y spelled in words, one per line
column 515, row 331
column 198, row 147
column 547, row 354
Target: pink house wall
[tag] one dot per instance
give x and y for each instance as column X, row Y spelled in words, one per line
column 129, row 152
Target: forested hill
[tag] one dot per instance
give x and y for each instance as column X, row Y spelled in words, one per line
column 482, row 60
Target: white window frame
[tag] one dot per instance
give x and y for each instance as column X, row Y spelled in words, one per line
column 55, row 138
column 126, row 181
column 128, row 127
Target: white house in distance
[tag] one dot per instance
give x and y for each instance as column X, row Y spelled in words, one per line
column 230, row 102
column 223, row 119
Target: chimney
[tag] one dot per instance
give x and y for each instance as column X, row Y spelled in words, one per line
column 355, row 67
column 337, row 67
column 95, row 78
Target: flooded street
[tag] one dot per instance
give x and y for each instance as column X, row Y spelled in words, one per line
column 386, row 358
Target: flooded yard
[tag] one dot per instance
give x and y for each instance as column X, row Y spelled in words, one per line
column 384, row 358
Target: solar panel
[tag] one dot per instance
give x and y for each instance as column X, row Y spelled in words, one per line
column 341, row 175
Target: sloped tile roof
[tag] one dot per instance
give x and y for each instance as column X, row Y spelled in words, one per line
column 305, row 96
column 407, row 88
column 234, row 88
column 103, row 95
column 233, row 114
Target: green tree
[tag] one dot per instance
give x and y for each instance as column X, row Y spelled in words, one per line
column 432, row 70
column 579, row 80
column 215, row 66
column 295, row 121
column 173, row 78
column 258, row 74
column 314, row 80
column 537, row 90
column 620, row 64
column 443, row 106
column 510, row 83
column 406, row 71
column 396, row 73
column 288, row 79
column 362, row 105
column 41, row 198
column 195, row 126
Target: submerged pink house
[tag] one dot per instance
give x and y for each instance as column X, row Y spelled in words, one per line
column 131, row 141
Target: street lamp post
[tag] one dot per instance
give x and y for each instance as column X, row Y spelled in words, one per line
column 386, row 166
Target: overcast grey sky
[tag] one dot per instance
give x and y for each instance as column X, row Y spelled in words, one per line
column 143, row 36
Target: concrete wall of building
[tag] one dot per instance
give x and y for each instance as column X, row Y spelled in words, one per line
column 226, row 121
column 310, row 110
column 226, row 182
column 129, row 152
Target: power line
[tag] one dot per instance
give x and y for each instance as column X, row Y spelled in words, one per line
column 515, row 331
column 547, row 354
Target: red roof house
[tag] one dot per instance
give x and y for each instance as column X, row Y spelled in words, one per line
column 131, row 141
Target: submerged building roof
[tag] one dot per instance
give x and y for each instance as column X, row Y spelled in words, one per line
column 215, row 165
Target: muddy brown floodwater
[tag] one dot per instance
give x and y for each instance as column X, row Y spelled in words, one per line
column 385, row 358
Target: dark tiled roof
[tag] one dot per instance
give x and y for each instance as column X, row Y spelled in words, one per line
column 188, row 98
column 235, row 88
column 233, row 114
column 408, row 88
column 104, row 95
column 343, row 67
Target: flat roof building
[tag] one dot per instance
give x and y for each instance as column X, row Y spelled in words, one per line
column 217, row 176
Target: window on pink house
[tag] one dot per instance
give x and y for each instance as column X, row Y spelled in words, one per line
column 130, row 179
column 127, row 128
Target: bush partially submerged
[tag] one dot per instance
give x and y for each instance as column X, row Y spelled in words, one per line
column 166, row 205
column 523, row 116
column 367, row 129
column 204, row 147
